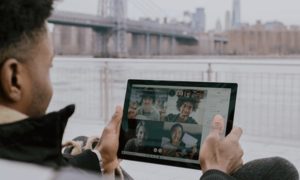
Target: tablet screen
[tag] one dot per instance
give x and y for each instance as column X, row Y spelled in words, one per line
column 166, row 122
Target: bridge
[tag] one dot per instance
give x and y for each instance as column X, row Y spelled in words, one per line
column 112, row 34
column 138, row 27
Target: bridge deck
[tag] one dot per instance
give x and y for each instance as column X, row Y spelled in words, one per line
column 131, row 26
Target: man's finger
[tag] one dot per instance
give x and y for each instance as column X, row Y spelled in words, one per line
column 116, row 118
column 235, row 133
column 217, row 125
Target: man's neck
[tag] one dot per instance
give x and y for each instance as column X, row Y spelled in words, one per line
column 8, row 115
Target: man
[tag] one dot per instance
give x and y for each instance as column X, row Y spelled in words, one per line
column 137, row 143
column 147, row 110
column 28, row 135
column 185, row 106
column 26, row 55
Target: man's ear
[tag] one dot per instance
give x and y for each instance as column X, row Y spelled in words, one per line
column 11, row 80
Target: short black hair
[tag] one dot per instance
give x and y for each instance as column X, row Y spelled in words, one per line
column 182, row 100
column 148, row 93
column 20, row 20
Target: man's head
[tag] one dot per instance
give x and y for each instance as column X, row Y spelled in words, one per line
column 176, row 134
column 148, row 99
column 25, row 55
column 185, row 106
column 141, row 132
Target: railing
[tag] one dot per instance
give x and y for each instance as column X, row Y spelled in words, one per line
column 268, row 101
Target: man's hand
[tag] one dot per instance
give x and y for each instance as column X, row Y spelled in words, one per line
column 91, row 141
column 217, row 152
column 76, row 147
column 109, row 142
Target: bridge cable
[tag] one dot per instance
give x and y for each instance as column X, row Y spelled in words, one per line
column 140, row 6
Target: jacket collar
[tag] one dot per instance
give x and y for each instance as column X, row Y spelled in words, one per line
column 37, row 139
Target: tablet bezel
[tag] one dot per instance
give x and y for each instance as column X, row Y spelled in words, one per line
column 231, row 109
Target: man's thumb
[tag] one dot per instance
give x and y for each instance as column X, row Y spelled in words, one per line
column 217, row 125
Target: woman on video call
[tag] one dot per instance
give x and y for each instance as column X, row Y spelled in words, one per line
column 175, row 147
column 137, row 144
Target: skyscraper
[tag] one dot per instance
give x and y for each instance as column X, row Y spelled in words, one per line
column 227, row 21
column 236, row 13
column 198, row 20
column 218, row 26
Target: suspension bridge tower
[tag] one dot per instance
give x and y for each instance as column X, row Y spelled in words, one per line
column 116, row 9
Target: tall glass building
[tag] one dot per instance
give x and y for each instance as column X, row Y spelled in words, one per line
column 236, row 13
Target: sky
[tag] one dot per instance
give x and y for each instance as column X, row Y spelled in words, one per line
column 286, row 11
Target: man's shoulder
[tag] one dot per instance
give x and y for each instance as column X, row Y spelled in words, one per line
column 131, row 142
column 139, row 110
column 171, row 117
column 191, row 120
column 154, row 109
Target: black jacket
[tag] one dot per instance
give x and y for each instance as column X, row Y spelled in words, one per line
column 38, row 140
column 216, row 175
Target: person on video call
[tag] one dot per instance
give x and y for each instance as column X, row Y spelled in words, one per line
column 137, row 144
column 185, row 106
column 147, row 110
column 133, row 105
column 175, row 147
column 28, row 134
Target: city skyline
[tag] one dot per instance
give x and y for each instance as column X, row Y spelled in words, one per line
column 285, row 11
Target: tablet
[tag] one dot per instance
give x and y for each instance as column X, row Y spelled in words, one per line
column 165, row 122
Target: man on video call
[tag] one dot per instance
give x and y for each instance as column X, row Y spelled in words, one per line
column 29, row 135
column 185, row 106
column 147, row 110
column 187, row 102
